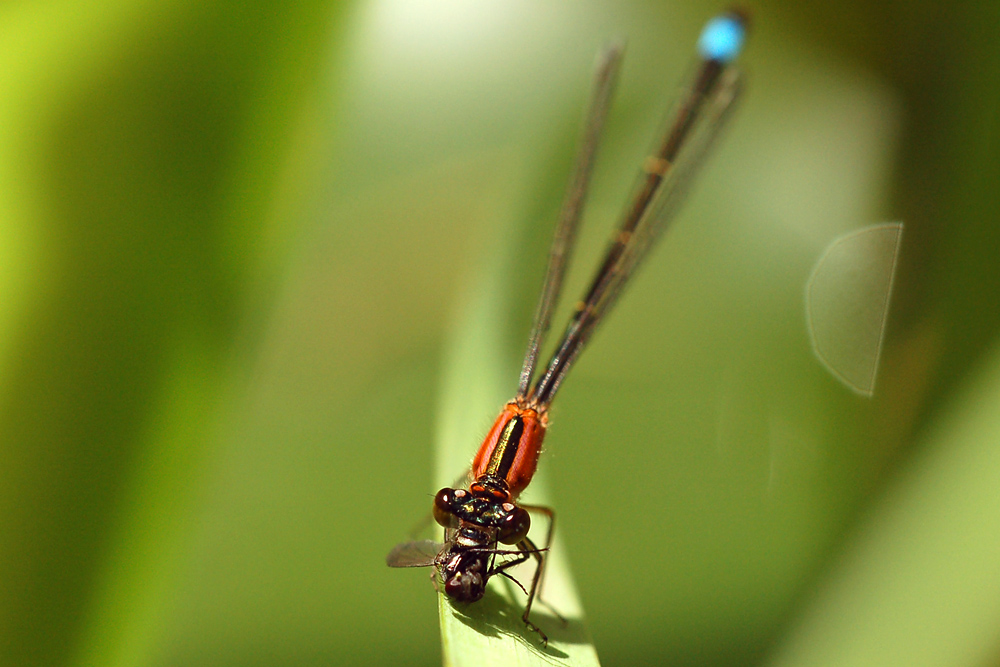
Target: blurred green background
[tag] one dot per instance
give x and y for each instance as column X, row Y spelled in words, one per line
column 235, row 238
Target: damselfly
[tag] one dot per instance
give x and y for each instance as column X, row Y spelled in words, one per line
column 479, row 518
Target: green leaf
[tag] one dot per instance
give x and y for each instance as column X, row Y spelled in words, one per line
column 919, row 583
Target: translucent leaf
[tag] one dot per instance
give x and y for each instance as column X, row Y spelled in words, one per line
column 847, row 303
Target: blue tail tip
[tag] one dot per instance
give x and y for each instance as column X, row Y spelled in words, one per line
column 722, row 38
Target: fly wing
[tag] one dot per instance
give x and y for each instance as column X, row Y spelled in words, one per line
column 414, row 554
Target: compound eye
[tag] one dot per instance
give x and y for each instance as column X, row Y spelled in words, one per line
column 444, row 513
column 514, row 527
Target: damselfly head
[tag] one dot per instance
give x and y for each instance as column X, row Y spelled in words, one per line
column 481, row 516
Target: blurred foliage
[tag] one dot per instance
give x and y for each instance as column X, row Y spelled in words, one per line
column 234, row 238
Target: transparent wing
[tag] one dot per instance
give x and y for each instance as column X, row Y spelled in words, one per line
column 605, row 76
column 697, row 121
column 414, row 554
column 670, row 195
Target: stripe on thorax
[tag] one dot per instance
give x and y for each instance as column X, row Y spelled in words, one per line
column 503, row 454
